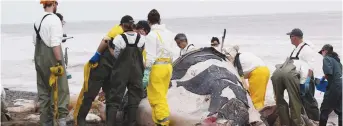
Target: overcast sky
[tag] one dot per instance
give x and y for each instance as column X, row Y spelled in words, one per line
column 26, row 11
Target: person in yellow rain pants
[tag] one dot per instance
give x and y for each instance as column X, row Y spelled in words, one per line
column 159, row 47
column 254, row 69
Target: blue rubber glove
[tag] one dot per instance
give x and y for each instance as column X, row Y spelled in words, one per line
column 305, row 87
column 95, row 58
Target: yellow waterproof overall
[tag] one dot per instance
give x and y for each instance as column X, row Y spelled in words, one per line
column 258, row 80
column 161, row 72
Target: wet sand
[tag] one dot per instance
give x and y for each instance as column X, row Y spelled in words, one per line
column 18, row 118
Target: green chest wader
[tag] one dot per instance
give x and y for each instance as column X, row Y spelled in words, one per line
column 309, row 102
column 44, row 59
column 285, row 77
column 127, row 73
column 99, row 78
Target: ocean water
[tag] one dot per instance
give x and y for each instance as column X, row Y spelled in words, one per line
column 263, row 35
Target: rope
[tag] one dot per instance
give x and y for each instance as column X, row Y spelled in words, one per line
column 87, row 69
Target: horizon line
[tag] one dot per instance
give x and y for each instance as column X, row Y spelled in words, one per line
column 186, row 17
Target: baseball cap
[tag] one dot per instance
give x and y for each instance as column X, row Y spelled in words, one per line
column 296, row 32
column 180, row 36
column 326, row 47
column 126, row 19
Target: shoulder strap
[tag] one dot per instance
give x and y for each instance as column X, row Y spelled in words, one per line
column 38, row 30
column 127, row 41
column 297, row 56
column 189, row 46
column 137, row 39
column 125, row 38
column 292, row 53
column 159, row 37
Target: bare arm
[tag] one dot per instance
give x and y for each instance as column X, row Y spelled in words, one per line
column 116, row 30
column 103, row 45
column 57, row 52
column 310, row 73
column 56, row 38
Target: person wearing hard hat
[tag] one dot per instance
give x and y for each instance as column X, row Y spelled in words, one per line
column 182, row 43
column 98, row 69
column 332, row 100
column 252, row 68
column 159, row 47
column 50, row 66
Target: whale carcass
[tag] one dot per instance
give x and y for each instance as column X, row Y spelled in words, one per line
column 205, row 88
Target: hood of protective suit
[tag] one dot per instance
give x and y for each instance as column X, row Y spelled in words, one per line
column 161, row 27
column 167, row 35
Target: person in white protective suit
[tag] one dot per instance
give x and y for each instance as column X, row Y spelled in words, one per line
column 159, row 48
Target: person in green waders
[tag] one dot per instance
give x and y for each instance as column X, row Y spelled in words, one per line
column 99, row 74
column 142, row 28
column 332, row 101
column 289, row 76
column 295, row 77
column 305, row 52
column 127, row 73
column 52, row 81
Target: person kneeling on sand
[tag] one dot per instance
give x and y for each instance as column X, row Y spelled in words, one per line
column 252, row 68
